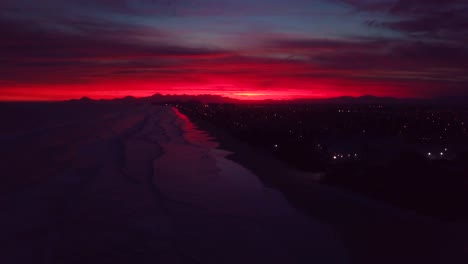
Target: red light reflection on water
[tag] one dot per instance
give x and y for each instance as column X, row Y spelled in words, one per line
column 193, row 134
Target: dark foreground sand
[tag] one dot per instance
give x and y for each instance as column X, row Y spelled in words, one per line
column 373, row 232
column 135, row 183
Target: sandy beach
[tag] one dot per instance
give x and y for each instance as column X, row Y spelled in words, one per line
column 125, row 183
column 372, row 231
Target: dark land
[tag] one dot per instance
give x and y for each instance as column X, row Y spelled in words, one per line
column 359, row 165
column 411, row 155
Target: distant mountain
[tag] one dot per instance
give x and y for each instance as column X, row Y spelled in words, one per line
column 369, row 99
column 452, row 100
column 366, row 99
column 204, row 98
column 128, row 99
column 83, row 99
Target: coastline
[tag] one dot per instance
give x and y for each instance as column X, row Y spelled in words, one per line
column 371, row 230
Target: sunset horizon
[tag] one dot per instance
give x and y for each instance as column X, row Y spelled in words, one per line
column 34, row 96
column 234, row 131
column 267, row 49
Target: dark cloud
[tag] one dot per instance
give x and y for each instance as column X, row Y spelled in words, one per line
column 450, row 25
column 311, row 46
column 424, row 7
column 402, row 53
column 428, row 19
column 370, row 5
column 92, row 50
column 387, row 60
column 23, row 41
column 42, row 46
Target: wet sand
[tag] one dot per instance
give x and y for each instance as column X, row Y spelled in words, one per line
column 120, row 183
column 372, row 231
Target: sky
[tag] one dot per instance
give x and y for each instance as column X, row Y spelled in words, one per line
column 245, row 49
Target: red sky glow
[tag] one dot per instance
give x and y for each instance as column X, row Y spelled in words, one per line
column 58, row 50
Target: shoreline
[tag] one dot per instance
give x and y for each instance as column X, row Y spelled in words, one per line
column 373, row 232
column 277, row 174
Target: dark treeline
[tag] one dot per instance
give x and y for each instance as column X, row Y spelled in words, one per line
column 412, row 156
